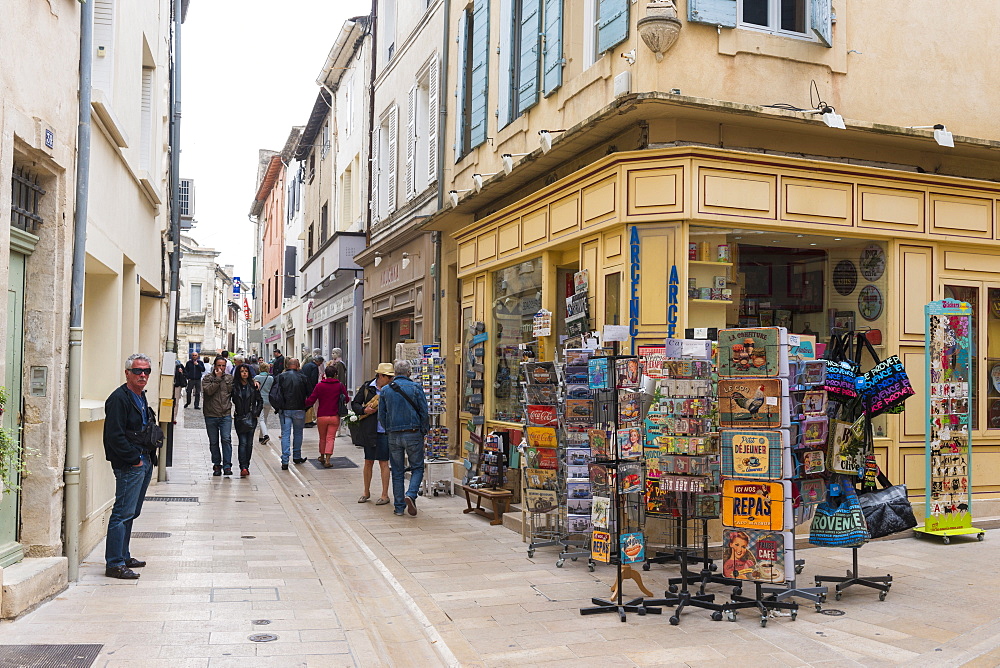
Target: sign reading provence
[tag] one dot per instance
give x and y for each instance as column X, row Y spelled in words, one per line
column 948, row 443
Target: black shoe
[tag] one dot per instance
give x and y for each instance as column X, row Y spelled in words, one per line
column 265, row 439
column 310, row 424
column 197, row 407
column 227, row 471
column 187, row 405
column 411, row 506
column 284, row 467
column 216, row 470
column 132, row 562
column 299, row 461
column 121, row 573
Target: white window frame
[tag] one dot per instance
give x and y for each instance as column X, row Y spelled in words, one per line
column 774, row 20
column 348, row 113
column 590, row 55
column 200, row 306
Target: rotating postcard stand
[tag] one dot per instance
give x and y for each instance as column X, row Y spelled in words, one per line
column 617, row 484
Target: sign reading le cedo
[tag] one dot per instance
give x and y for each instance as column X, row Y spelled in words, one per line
column 753, row 505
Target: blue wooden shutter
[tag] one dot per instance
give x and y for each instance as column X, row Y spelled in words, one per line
column 480, row 72
column 612, row 24
column 821, row 22
column 505, row 70
column 713, row 12
column 552, row 58
column 462, row 121
column 527, row 92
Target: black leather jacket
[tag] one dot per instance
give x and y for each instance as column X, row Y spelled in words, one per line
column 294, row 389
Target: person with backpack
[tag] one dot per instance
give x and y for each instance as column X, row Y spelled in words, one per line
column 265, row 380
column 247, row 405
column 288, row 395
column 368, row 432
column 331, row 399
column 402, row 411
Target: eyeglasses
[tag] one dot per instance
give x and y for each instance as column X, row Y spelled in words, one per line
column 141, row 372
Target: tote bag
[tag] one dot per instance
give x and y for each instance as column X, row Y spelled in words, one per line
column 886, row 386
column 887, row 510
column 839, row 521
column 841, row 369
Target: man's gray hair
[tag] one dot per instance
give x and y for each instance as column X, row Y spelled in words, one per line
column 317, row 351
column 240, row 358
column 336, row 353
column 402, row 368
column 137, row 356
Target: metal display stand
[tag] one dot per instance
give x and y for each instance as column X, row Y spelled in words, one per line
column 879, row 582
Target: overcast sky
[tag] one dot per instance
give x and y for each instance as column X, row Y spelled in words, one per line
column 249, row 72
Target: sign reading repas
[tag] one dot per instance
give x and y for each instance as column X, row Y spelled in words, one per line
column 753, row 505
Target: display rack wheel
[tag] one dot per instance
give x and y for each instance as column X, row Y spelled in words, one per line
column 794, row 615
column 559, row 563
column 642, row 612
column 763, row 621
column 717, row 616
column 591, row 566
column 731, row 615
column 675, row 620
column 980, row 537
column 822, row 598
column 946, row 540
column 799, row 569
column 531, row 554
column 420, row 492
column 435, row 492
column 672, row 589
column 645, row 565
column 738, row 591
column 713, row 567
column 838, row 595
column 574, row 558
column 881, row 595
column 819, row 608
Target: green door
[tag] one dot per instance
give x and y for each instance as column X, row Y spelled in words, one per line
column 10, row 550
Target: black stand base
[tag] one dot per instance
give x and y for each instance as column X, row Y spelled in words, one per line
column 880, row 582
column 684, row 599
column 636, row 605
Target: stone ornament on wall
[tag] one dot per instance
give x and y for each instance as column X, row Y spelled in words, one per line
column 660, row 27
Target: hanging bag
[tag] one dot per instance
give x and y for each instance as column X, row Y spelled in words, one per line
column 887, row 510
column 839, row 521
column 841, row 369
column 886, row 386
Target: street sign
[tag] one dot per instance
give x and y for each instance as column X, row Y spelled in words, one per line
column 236, row 286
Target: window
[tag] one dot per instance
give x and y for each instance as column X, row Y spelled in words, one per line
column 324, row 223
column 421, row 130
column 186, row 197
column 194, row 347
column 326, row 141
column 517, row 297
column 605, row 25
column 347, row 199
column 146, row 120
column 104, row 46
column 387, row 28
column 196, row 301
column 473, row 78
column 25, row 197
column 530, row 47
column 310, row 241
column 778, row 16
column 347, row 110
column 809, row 19
column 385, row 160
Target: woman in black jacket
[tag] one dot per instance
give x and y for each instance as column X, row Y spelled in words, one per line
column 247, row 405
column 367, row 434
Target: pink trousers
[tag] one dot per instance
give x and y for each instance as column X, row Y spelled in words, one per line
column 328, row 427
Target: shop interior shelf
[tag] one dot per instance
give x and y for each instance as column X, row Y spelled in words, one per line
column 709, row 262
column 710, row 301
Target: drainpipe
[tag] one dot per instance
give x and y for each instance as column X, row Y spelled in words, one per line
column 71, row 470
column 373, row 29
column 442, row 117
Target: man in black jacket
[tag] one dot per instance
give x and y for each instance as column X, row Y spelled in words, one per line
column 193, row 370
column 126, row 416
column 311, row 371
column 278, row 363
column 293, row 386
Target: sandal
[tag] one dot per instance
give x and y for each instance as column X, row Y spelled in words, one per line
column 381, row 502
column 364, row 499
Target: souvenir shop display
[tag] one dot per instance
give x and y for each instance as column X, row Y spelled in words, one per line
column 492, row 464
column 574, row 454
column 473, row 397
column 543, row 487
column 950, row 397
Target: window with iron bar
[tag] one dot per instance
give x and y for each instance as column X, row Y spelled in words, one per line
column 24, row 200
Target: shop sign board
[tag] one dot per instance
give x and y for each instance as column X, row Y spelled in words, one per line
column 753, row 505
column 633, row 303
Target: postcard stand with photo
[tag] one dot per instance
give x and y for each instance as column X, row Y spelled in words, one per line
column 541, row 398
column 575, row 424
column 620, row 541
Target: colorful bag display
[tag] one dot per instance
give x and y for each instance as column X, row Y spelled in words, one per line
column 839, row 521
column 887, row 510
column 841, row 368
column 885, row 386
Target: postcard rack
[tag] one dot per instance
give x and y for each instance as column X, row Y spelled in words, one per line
column 543, row 492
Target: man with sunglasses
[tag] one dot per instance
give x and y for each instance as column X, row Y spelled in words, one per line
column 217, row 389
column 128, row 421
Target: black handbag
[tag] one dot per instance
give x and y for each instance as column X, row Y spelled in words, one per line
column 245, row 424
column 887, row 510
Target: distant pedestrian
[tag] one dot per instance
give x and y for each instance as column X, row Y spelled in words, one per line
column 218, row 390
column 131, row 438
column 370, row 433
column 311, row 371
column 180, row 382
column 402, row 410
column 247, row 406
column 277, row 363
column 229, row 363
column 331, row 401
column 194, row 370
column 292, row 385
column 264, row 379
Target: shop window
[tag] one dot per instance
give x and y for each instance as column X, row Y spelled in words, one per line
column 517, row 297
column 970, row 294
column 612, row 297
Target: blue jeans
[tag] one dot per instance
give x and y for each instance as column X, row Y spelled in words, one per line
column 408, row 445
column 131, row 483
column 220, row 428
column 245, row 449
column 291, row 434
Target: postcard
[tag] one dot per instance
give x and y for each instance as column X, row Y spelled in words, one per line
column 542, row 437
column 755, row 403
column 540, row 373
column 540, row 479
column 541, row 415
column 813, row 461
column 600, row 449
column 756, row 454
column 753, row 351
column 579, row 524
column 629, row 407
column 630, row 477
column 627, row 373
column 755, row 555
column 597, row 372
column 629, row 443
column 578, row 456
column 578, row 489
column 633, row 548
column 579, row 412
column 814, row 431
column 600, row 546
column 577, row 356
column 578, row 506
column 658, row 500
column 600, row 511
column 540, row 500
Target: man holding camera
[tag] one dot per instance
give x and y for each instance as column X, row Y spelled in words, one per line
column 131, row 438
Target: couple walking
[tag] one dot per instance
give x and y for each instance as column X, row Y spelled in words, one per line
column 291, row 394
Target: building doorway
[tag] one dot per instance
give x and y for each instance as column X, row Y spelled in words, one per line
column 10, row 550
column 399, row 330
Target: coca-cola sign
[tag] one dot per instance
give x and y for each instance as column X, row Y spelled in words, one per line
column 543, row 416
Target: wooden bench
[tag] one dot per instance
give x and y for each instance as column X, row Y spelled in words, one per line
column 498, row 498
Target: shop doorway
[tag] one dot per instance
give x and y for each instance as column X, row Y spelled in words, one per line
column 399, row 330
column 339, row 339
column 10, row 550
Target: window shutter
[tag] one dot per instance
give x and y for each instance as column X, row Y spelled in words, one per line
column 505, row 71
column 463, row 112
column 552, row 59
column 392, row 155
column 821, row 22
column 347, row 198
column 433, row 118
column 104, row 35
column 480, row 71
column 376, row 171
column 713, row 12
column 527, row 93
column 411, row 142
column 612, row 24
column 146, row 120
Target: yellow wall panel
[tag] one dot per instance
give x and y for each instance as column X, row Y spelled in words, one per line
column 655, row 191
column 565, row 214
column 968, row 216
column 891, row 209
column 481, row 297
column 533, row 227
column 916, row 277
column 915, row 413
column 656, row 256
column 971, row 262
column 589, row 255
column 487, row 247
column 509, row 238
column 738, row 193
column 818, row 201
column 468, row 289
column 915, row 477
column 599, row 200
column 467, row 254
column 612, row 246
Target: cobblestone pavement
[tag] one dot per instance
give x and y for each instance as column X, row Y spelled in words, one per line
column 348, row 584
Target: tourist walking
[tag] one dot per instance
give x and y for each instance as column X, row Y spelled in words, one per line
column 291, row 386
column 131, row 438
column 247, row 405
column 217, row 387
column 278, row 363
column 402, row 410
column 194, row 370
column 331, row 399
column 369, row 433
column 310, row 370
column 265, row 380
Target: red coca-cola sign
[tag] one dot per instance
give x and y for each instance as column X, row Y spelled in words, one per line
column 543, row 416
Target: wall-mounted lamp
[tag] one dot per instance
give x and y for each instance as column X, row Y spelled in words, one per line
column 406, row 259
column 357, row 282
column 830, row 117
column 378, row 258
column 941, row 134
column 545, row 139
column 477, row 180
column 508, row 161
column 629, row 56
column 453, row 195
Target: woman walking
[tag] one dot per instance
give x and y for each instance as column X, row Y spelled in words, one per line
column 265, row 380
column 369, row 433
column 247, row 405
column 333, row 400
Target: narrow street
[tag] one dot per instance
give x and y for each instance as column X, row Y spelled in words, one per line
column 348, row 584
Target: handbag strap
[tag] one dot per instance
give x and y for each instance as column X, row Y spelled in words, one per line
column 405, row 396
column 864, row 344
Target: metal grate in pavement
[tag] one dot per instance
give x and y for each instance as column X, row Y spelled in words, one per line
column 186, row 499
column 336, row 463
column 48, row 656
column 150, row 534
